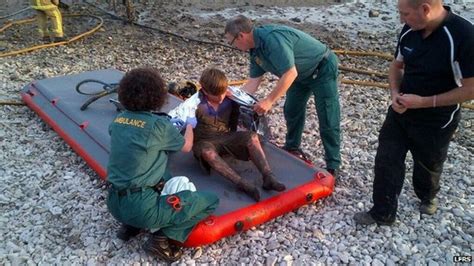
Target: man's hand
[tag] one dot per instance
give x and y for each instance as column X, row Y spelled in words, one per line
column 397, row 106
column 395, row 75
column 263, row 106
column 411, row 101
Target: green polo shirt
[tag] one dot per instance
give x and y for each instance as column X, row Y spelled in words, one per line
column 139, row 145
column 278, row 48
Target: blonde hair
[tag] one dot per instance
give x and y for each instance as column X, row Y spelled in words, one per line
column 214, row 81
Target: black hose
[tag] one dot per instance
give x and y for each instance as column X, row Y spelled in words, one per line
column 16, row 13
column 108, row 88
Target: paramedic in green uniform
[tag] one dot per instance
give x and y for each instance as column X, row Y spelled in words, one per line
column 305, row 67
column 138, row 173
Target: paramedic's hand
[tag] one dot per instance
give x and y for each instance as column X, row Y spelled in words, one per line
column 191, row 121
column 263, row 106
column 55, row 2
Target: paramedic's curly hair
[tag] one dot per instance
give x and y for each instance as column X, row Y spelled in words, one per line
column 142, row 89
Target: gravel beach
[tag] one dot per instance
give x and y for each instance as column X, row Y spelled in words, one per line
column 52, row 205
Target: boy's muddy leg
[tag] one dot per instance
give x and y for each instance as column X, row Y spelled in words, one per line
column 257, row 156
column 219, row 165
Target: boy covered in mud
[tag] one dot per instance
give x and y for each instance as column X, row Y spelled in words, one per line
column 216, row 135
column 143, row 195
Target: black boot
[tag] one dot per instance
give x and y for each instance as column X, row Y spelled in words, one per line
column 429, row 206
column 159, row 245
column 333, row 172
column 59, row 39
column 126, row 232
column 249, row 189
column 298, row 153
column 365, row 218
column 270, row 183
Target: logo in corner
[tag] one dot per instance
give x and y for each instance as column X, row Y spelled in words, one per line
column 408, row 49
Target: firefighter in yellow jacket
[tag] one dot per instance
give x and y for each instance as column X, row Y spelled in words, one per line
column 48, row 9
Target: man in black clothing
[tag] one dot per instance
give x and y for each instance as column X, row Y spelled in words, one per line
column 432, row 73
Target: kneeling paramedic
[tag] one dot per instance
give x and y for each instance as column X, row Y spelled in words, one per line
column 143, row 194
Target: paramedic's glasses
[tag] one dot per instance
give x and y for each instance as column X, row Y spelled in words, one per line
column 231, row 43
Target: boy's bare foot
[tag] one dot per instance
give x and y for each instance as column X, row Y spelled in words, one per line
column 249, row 189
column 270, row 183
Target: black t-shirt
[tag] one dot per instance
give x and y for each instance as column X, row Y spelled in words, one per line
column 437, row 63
column 213, row 123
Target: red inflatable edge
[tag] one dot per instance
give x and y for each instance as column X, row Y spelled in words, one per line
column 214, row 228
column 28, row 99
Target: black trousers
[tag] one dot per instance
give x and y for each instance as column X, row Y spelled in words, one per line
column 428, row 144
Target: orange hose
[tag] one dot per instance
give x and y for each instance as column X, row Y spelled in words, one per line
column 366, row 83
column 361, row 71
column 364, row 53
column 42, row 46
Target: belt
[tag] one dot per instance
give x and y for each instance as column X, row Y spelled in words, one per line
column 128, row 191
column 320, row 64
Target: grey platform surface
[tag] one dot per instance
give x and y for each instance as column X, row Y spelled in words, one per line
column 95, row 140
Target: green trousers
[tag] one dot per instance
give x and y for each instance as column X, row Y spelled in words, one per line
column 324, row 88
column 149, row 210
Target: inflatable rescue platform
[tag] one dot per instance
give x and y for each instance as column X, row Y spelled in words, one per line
column 57, row 102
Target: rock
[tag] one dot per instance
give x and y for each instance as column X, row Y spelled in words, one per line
column 376, row 262
column 273, row 244
column 458, row 240
column 295, row 19
column 288, row 259
column 197, row 253
column 390, row 262
column 244, row 261
column 344, row 257
column 271, row 261
column 458, row 212
column 14, row 259
column 373, row 13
